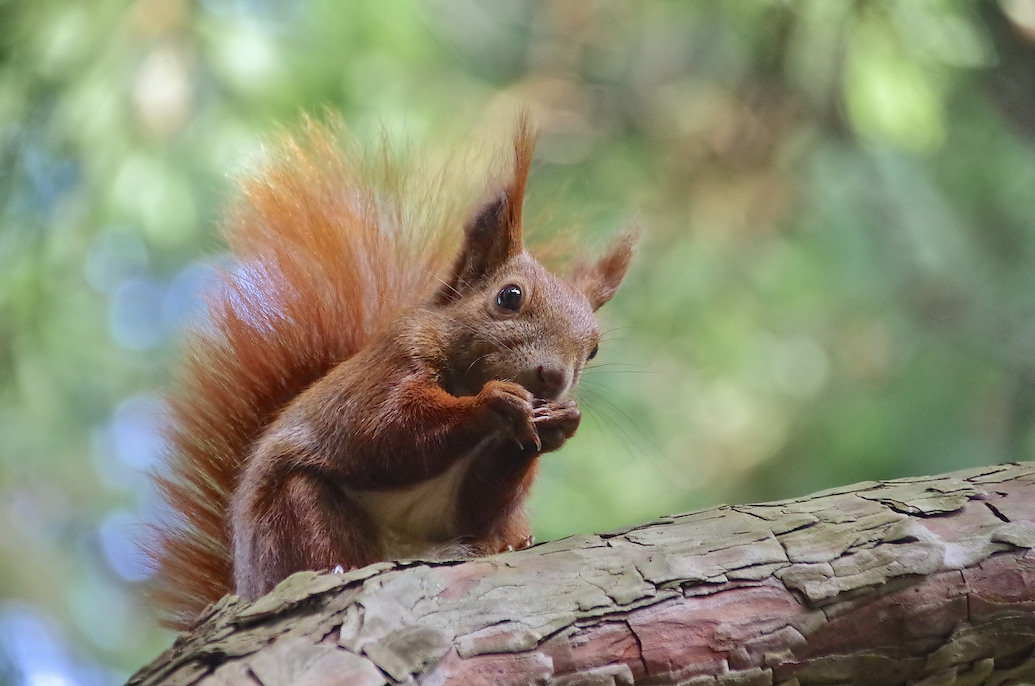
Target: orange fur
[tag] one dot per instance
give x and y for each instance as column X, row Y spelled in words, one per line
column 331, row 246
column 352, row 398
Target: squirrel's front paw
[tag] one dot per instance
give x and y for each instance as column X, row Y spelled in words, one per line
column 555, row 422
column 513, row 404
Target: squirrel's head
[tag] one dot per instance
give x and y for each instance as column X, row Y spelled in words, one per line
column 508, row 316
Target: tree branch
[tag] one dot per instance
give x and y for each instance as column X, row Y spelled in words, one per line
column 921, row 581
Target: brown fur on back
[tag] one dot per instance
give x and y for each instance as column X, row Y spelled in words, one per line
column 328, row 244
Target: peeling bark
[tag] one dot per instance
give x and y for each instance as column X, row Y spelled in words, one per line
column 916, row 581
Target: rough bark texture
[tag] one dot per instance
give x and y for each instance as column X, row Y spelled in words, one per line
column 915, row 581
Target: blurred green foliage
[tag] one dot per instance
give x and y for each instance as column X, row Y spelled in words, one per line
column 836, row 283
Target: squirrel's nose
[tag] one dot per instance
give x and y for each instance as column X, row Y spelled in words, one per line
column 553, row 382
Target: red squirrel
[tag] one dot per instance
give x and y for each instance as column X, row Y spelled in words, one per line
column 353, row 396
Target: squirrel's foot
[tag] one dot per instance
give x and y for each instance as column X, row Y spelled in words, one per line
column 522, row 544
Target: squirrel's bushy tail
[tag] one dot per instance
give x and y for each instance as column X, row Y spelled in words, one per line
column 327, row 244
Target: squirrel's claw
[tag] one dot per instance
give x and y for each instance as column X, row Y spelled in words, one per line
column 520, row 545
column 538, row 442
column 531, row 436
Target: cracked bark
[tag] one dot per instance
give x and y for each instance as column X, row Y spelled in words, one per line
column 916, row 581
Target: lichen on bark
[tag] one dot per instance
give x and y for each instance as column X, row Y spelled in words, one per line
column 927, row 580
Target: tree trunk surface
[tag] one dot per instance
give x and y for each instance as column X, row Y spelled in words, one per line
column 926, row 580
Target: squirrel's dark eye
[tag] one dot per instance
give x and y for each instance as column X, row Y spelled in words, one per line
column 509, row 297
column 592, row 353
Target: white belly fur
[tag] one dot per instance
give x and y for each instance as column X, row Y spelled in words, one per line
column 420, row 520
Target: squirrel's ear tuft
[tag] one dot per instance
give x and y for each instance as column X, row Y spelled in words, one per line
column 493, row 235
column 600, row 281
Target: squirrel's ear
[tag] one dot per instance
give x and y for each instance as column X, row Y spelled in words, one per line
column 600, row 281
column 493, row 234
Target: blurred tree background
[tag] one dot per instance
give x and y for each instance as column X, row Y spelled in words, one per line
column 837, row 280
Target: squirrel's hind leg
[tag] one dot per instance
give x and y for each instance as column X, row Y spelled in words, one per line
column 304, row 523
